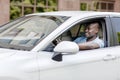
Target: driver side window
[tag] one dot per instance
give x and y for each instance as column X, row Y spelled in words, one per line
column 76, row 31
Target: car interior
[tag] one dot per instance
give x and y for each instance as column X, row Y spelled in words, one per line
column 78, row 30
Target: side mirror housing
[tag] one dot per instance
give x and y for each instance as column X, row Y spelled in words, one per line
column 64, row 47
column 67, row 47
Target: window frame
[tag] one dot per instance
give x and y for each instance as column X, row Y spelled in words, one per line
column 102, row 20
column 116, row 42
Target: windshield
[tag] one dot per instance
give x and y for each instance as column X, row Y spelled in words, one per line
column 26, row 32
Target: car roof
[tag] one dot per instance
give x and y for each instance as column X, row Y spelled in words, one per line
column 77, row 13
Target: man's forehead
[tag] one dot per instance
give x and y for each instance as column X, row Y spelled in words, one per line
column 93, row 25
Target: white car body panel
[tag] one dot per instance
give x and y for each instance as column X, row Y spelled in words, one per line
column 85, row 66
column 24, row 63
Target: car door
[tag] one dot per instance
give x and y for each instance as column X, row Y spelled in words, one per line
column 98, row 64
column 116, row 28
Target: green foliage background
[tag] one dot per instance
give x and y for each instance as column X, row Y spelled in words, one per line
column 15, row 10
column 118, row 33
column 83, row 6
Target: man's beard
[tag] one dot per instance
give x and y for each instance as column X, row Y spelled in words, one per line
column 90, row 37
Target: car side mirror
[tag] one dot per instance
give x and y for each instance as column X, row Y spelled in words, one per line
column 64, row 47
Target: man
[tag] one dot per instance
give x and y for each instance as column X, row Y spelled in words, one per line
column 91, row 39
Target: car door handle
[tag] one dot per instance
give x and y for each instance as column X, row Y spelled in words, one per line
column 109, row 57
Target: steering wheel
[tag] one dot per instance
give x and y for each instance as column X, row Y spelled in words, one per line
column 57, row 40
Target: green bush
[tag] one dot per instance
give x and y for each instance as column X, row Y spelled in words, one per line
column 16, row 10
column 118, row 33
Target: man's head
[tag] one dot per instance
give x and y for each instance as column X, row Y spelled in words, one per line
column 92, row 30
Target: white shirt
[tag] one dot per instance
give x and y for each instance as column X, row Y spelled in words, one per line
column 84, row 39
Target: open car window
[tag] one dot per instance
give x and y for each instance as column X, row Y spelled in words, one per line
column 78, row 30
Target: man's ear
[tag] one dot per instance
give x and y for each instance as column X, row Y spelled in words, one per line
column 97, row 30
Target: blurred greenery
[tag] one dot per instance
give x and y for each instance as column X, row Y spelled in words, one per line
column 96, row 6
column 28, row 10
column 83, row 6
column 41, row 6
column 14, row 12
column 118, row 33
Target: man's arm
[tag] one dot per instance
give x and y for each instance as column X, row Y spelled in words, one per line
column 88, row 46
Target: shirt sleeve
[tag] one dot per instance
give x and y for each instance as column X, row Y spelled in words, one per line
column 80, row 40
column 100, row 43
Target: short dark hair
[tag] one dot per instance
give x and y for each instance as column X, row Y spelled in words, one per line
column 97, row 23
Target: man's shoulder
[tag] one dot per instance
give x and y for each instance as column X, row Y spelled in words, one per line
column 99, row 41
column 80, row 39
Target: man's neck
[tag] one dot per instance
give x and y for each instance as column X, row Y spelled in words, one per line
column 91, row 38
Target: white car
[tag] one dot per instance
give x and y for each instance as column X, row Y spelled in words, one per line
column 40, row 47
